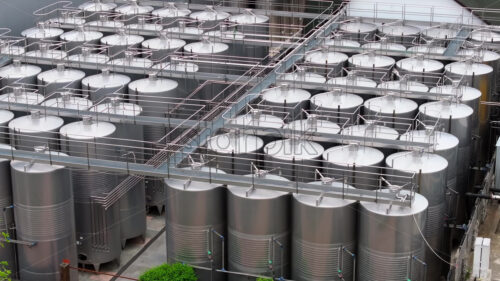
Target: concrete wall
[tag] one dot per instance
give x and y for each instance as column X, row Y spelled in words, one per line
column 18, row 14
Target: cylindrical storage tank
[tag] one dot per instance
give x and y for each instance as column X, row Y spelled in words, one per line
column 397, row 112
column 15, row 73
column 129, row 13
column 372, row 66
column 336, row 106
column 358, row 165
column 313, row 125
column 187, row 84
column 235, row 152
column 132, row 203
column 5, row 117
column 300, row 76
column 371, row 131
column 44, row 52
column 120, row 42
column 285, row 102
column 9, row 49
column 190, row 235
column 420, row 69
column 258, row 222
column 236, row 47
column 142, row 24
column 251, row 25
column 296, row 159
column 379, row 257
column 8, row 252
column 181, row 29
column 425, row 49
column 97, row 229
column 325, row 62
column 402, row 34
column 209, row 18
column 259, row 119
column 93, row 9
column 68, row 100
column 104, row 85
column 385, row 46
column 487, row 57
column 59, row 79
column 131, row 60
column 429, row 173
column 162, row 46
column 318, row 244
column 41, row 32
column 76, row 38
column 485, row 36
column 66, row 18
column 87, row 57
column 44, row 213
column 339, row 41
column 106, row 21
column 467, row 95
column 403, row 85
column 354, row 80
column 36, row 129
column 22, row 97
column 170, row 14
column 439, row 35
column 359, row 31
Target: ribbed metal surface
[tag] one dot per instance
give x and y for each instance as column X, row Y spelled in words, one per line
column 44, row 213
column 391, row 267
column 6, row 220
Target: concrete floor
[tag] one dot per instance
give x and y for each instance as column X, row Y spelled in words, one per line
column 154, row 255
column 491, row 229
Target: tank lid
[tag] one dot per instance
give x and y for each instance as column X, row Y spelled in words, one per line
column 87, row 129
column 385, row 46
column 353, row 154
column 5, row 116
column 185, row 29
column 358, row 27
column 90, row 58
column 371, row 131
column 336, row 99
column 21, row 96
column 42, row 31
column 248, row 17
column 341, row 43
column 47, row 53
column 143, row 25
column 257, row 193
column 391, row 104
column 180, row 66
column 121, row 39
column 298, row 149
column 440, row 140
column 12, row 50
column 34, row 167
column 60, row 74
column 419, row 205
column 194, row 186
column 312, row 124
column 399, row 30
column 485, row 36
column 404, row 85
column 353, row 80
column 468, row 68
column 209, row 14
column 419, row 64
column 225, row 34
column 465, row 92
column 255, row 118
column 234, row 142
column 446, row 109
column 110, row 80
column 134, row 9
column 479, row 55
column 115, row 106
column 18, row 70
column 325, row 57
column 153, row 85
column 97, row 6
column 164, row 42
column 206, row 47
column 69, row 101
column 416, row 162
column 325, row 202
column 440, row 32
column 371, row 60
column 67, row 17
column 426, row 49
column 35, row 123
column 132, row 61
column 171, row 11
column 81, row 35
column 282, row 93
column 104, row 22
column 302, row 76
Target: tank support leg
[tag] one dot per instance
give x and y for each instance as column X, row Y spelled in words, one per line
column 97, row 266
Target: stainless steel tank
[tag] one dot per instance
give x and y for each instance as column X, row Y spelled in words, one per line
column 131, row 12
column 143, row 24
column 420, row 69
column 120, row 42
column 484, row 36
column 439, row 35
column 378, row 257
column 76, row 38
column 66, row 17
column 258, row 118
column 68, row 100
column 44, row 52
column 104, row 85
column 187, row 84
column 17, row 73
column 397, row 112
column 208, row 48
column 337, row 106
column 42, row 32
column 352, row 79
column 300, row 76
column 93, row 9
column 312, row 125
column 130, row 59
column 33, row 130
column 44, row 213
column 97, row 229
column 406, row 35
column 318, row 244
column 285, row 102
column 427, row 49
column 132, row 203
column 372, row 66
column 237, row 47
column 258, row 222
column 163, row 46
column 358, row 165
column 359, row 31
column 106, row 21
column 5, row 117
column 325, row 62
column 371, row 131
column 59, row 79
column 384, row 45
column 296, row 159
column 8, row 48
column 490, row 58
column 339, row 41
column 209, row 18
column 467, row 95
column 429, row 171
column 235, row 152
column 403, row 85
column 254, row 26
column 8, row 252
column 170, row 14
column 87, row 57
column 21, row 96
column 180, row 29
column 193, row 235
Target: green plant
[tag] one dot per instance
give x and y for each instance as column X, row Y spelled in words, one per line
column 5, row 272
column 264, row 279
column 169, row 272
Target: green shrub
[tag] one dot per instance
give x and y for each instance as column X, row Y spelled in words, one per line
column 264, row 279
column 170, row 272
